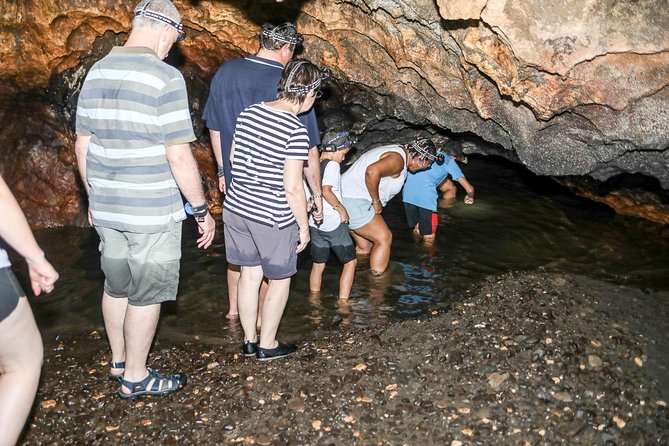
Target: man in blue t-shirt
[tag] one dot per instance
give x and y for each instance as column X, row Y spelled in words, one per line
column 239, row 83
column 421, row 192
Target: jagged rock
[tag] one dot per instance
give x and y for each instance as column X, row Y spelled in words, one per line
column 570, row 88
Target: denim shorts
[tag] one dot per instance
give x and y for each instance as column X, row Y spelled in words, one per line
column 142, row 267
column 339, row 241
column 10, row 292
column 360, row 211
column 248, row 243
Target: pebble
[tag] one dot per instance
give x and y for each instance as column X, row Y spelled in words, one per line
column 594, row 361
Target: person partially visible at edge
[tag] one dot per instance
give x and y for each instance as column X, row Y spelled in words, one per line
column 421, row 193
column 134, row 157
column 265, row 209
column 373, row 180
column 239, row 83
column 333, row 233
column 446, row 187
column 21, row 348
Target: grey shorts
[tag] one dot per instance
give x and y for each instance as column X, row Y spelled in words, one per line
column 339, row 241
column 142, row 267
column 10, row 292
column 248, row 243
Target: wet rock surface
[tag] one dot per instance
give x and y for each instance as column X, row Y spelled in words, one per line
column 532, row 358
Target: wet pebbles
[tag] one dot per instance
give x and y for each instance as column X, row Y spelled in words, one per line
column 522, row 359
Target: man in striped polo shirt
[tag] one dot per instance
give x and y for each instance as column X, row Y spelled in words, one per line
column 133, row 134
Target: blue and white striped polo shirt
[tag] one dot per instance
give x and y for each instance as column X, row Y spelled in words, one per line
column 133, row 105
column 264, row 139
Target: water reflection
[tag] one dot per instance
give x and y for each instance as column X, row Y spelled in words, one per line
column 518, row 222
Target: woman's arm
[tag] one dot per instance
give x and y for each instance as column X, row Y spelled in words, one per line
column 16, row 232
column 297, row 200
column 390, row 164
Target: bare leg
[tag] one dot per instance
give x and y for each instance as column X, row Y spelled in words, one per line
column 275, row 303
column 378, row 233
column 346, row 279
column 261, row 300
column 139, row 329
column 248, row 296
column 429, row 238
column 362, row 245
column 113, row 311
column 448, row 189
column 21, row 353
column 316, row 277
column 233, row 283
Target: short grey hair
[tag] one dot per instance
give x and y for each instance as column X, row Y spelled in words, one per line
column 163, row 7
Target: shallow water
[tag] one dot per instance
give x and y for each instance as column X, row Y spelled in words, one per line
column 519, row 222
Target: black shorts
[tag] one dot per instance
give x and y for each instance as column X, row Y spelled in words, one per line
column 426, row 220
column 339, row 241
column 10, row 292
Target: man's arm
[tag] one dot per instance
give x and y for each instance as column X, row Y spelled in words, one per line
column 81, row 151
column 312, row 173
column 215, row 136
column 186, row 174
column 297, row 200
column 16, row 232
column 469, row 198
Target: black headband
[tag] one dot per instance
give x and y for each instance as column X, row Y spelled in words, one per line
column 273, row 33
column 143, row 11
column 326, row 75
column 420, row 146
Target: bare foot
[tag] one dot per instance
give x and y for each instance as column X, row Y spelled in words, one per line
column 232, row 315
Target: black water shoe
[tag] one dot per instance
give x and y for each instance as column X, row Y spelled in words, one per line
column 250, row 348
column 281, row 351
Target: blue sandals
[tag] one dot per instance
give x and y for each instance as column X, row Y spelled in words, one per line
column 153, row 384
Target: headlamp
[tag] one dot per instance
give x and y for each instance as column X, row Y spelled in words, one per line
column 144, row 11
column 338, row 142
column 326, row 75
column 420, row 146
column 273, row 33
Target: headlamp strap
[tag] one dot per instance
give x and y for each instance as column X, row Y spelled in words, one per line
column 161, row 18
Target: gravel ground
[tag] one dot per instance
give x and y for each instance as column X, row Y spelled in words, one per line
column 525, row 358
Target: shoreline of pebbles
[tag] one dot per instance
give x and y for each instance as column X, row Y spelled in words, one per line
column 523, row 358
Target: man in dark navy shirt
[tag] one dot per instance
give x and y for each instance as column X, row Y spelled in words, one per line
column 239, row 83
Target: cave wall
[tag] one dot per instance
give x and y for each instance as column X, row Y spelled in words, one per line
column 571, row 88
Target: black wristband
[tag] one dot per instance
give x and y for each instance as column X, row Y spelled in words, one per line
column 220, row 172
column 200, row 211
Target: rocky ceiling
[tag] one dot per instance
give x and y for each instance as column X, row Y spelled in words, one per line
column 574, row 89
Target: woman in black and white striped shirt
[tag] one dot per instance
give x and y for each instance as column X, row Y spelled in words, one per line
column 265, row 209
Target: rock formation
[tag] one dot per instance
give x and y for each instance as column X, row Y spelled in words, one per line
column 572, row 89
